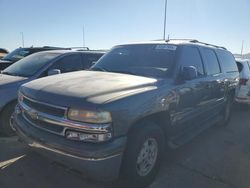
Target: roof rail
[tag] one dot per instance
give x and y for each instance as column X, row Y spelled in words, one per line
column 56, row 47
column 80, row 48
column 207, row 44
column 186, row 40
column 196, row 41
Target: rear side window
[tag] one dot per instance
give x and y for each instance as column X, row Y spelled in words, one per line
column 191, row 57
column 90, row 59
column 227, row 61
column 211, row 62
column 69, row 63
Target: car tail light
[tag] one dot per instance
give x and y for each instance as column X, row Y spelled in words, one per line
column 243, row 81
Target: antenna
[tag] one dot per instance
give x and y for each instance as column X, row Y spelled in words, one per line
column 165, row 19
column 22, row 38
column 83, row 37
column 242, row 47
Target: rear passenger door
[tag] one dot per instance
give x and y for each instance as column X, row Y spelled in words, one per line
column 215, row 79
column 192, row 94
column 69, row 63
column 230, row 71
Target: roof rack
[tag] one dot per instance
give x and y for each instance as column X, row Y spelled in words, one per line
column 186, row 40
column 56, row 47
column 79, row 48
column 196, row 41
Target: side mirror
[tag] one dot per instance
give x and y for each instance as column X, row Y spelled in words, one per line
column 189, row 73
column 54, row 72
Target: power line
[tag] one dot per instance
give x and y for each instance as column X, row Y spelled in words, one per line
column 83, row 37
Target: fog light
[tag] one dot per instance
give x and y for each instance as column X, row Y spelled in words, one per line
column 87, row 137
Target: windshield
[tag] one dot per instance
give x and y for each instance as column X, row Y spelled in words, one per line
column 16, row 54
column 28, row 66
column 149, row 60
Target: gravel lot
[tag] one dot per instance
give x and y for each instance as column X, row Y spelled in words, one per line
column 218, row 158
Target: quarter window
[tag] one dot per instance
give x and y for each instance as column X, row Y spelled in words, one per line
column 227, row 61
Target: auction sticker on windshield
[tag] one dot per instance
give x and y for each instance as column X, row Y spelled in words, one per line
column 165, row 47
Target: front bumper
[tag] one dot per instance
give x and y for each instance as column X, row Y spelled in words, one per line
column 92, row 160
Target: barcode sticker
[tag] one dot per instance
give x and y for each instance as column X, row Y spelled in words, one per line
column 165, row 47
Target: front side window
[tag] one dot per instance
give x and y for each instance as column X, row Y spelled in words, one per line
column 30, row 65
column 149, row 60
column 211, row 62
column 90, row 59
column 191, row 57
column 69, row 63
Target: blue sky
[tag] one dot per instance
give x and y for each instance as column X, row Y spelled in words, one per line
column 111, row 22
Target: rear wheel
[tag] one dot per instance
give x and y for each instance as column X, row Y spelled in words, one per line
column 227, row 111
column 6, row 119
column 143, row 155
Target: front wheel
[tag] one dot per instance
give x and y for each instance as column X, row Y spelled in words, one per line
column 143, row 155
column 6, row 120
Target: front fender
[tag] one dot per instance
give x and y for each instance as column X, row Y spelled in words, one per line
column 126, row 112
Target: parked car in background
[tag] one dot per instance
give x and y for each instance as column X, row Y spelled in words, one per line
column 136, row 100
column 3, row 52
column 20, row 53
column 243, row 89
column 35, row 66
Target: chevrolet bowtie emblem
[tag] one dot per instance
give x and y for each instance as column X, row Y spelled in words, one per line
column 33, row 114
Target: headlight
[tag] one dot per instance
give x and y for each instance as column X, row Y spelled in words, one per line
column 89, row 116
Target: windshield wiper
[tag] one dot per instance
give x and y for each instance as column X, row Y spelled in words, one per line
column 97, row 68
column 123, row 72
column 8, row 73
column 6, row 59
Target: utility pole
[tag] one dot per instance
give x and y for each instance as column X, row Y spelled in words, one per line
column 242, row 47
column 83, row 37
column 22, row 39
column 165, row 19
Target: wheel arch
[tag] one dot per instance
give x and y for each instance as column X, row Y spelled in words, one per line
column 7, row 104
column 161, row 119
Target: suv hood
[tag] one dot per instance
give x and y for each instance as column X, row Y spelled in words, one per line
column 86, row 87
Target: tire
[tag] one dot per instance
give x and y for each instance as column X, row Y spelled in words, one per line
column 227, row 112
column 147, row 136
column 6, row 118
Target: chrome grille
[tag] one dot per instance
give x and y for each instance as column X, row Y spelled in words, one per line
column 57, row 129
column 45, row 108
